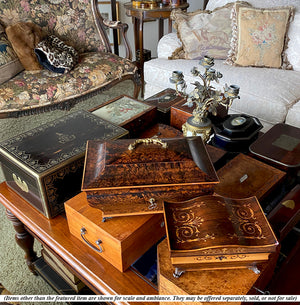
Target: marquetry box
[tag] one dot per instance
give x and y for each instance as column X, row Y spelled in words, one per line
column 244, row 176
column 45, row 165
column 200, row 283
column 119, row 240
column 131, row 177
column 163, row 100
column 127, row 112
column 214, row 232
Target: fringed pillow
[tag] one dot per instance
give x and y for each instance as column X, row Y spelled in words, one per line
column 203, row 33
column 259, row 36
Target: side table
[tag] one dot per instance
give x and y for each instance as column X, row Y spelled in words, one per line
column 139, row 15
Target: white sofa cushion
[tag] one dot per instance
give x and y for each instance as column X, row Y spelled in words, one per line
column 167, row 45
column 265, row 93
column 293, row 50
column 293, row 115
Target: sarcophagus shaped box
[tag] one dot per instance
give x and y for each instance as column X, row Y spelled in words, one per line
column 214, row 232
column 45, row 165
column 131, row 177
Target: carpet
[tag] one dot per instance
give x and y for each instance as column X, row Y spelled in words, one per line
column 14, row 273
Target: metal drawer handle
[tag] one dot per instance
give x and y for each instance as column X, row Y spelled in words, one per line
column 98, row 242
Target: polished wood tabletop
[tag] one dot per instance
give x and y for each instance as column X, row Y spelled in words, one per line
column 98, row 274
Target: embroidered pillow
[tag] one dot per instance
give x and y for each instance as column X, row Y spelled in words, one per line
column 203, row 33
column 259, row 36
column 9, row 62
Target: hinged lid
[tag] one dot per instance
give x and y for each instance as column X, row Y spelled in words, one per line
column 49, row 146
column 147, row 163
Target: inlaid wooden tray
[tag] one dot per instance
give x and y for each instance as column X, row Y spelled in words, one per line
column 211, row 232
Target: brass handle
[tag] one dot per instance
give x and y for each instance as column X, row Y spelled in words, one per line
column 147, row 142
column 20, row 183
column 98, row 242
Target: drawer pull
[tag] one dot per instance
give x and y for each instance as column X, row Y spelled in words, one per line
column 98, row 242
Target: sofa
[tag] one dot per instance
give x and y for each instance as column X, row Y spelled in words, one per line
column 32, row 93
column 268, row 91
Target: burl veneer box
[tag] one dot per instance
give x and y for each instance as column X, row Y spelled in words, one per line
column 119, row 240
column 214, row 232
column 127, row 112
column 132, row 177
column 244, row 176
column 45, row 165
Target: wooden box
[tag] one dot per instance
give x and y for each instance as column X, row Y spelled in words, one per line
column 180, row 112
column 244, row 177
column 131, row 177
column 128, row 113
column 279, row 146
column 163, row 100
column 120, row 240
column 165, row 131
column 286, row 214
column 200, row 283
column 213, row 232
column 45, row 165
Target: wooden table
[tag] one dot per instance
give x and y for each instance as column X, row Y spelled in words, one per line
column 99, row 275
column 139, row 16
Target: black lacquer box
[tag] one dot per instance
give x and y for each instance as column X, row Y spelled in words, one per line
column 45, row 165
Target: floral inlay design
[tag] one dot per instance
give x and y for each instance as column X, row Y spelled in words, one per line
column 188, row 225
column 244, row 220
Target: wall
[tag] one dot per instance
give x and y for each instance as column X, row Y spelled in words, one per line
column 150, row 28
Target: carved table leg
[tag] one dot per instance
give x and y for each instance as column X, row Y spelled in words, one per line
column 24, row 240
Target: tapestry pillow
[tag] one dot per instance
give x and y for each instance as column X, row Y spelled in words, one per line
column 9, row 62
column 259, row 36
column 203, row 33
column 24, row 36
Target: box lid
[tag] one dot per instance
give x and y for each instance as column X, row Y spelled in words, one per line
column 49, row 146
column 147, row 163
column 215, row 225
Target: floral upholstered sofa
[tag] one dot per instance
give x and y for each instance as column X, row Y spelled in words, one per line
column 77, row 23
column 269, row 92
